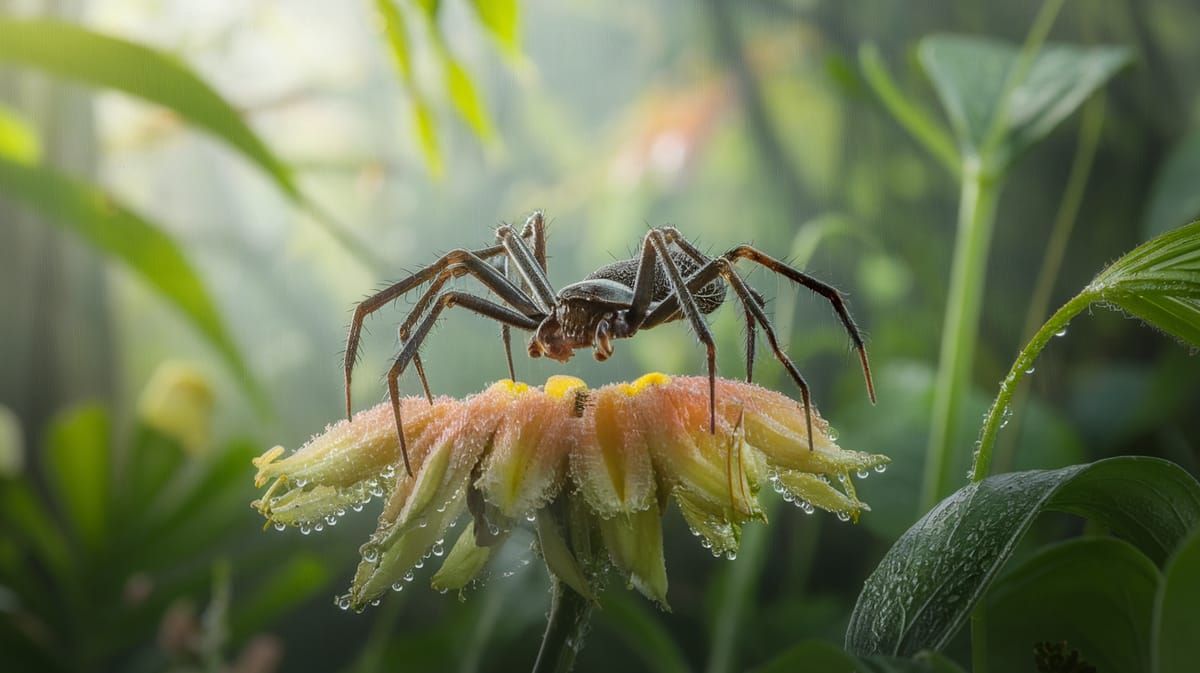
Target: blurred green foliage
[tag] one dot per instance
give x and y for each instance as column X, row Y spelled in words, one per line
column 370, row 136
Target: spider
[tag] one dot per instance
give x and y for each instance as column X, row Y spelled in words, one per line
column 670, row 280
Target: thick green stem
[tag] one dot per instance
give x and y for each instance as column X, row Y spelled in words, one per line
column 569, row 613
column 976, row 217
column 998, row 414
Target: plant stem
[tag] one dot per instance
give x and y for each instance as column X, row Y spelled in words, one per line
column 976, row 217
column 1055, row 326
column 1090, row 126
column 569, row 613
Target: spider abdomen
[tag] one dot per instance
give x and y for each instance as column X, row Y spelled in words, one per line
column 708, row 297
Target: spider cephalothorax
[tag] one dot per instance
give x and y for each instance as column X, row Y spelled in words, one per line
column 661, row 285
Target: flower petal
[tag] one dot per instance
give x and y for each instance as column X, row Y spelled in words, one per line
column 635, row 545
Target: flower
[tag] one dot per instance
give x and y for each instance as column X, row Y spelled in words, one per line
column 592, row 470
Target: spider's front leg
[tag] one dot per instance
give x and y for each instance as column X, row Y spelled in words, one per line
column 478, row 305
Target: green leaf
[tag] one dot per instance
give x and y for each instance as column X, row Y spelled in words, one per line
column 996, row 110
column 396, row 30
column 18, row 141
column 1097, row 594
column 1159, row 282
column 915, row 119
column 1176, row 196
column 1176, row 634
column 114, row 229
column 71, row 51
column 927, row 584
column 465, row 98
column 502, row 21
column 77, row 469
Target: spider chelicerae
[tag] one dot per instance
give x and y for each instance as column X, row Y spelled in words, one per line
column 670, row 280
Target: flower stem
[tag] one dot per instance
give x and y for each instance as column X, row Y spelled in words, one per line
column 976, row 217
column 569, row 614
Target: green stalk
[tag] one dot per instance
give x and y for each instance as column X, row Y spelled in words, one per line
column 569, row 613
column 997, row 415
column 976, row 217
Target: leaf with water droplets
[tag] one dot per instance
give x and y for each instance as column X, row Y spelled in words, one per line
column 929, row 581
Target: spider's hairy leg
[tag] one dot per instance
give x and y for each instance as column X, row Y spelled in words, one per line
column 656, row 244
column 535, row 230
column 824, row 289
column 752, row 303
column 458, row 262
column 487, row 309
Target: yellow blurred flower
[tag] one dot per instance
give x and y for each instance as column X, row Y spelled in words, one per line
column 592, row 470
column 178, row 401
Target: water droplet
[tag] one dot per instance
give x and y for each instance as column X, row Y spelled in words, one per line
column 389, row 471
column 807, row 507
column 842, row 515
column 1030, row 370
column 301, row 483
column 370, row 552
column 397, row 586
column 493, row 529
column 357, row 507
column 305, row 529
column 420, row 563
column 343, row 601
column 443, row 590
column 375, row 603
column 863, row 473
column 376, row 490
column 408, row 576
column 438, row 549
column 280, row 526
column 531, row 517
column 331, row 519
column 730, row 555
column 421, row 522
column 881, row 468
column 318, row 527
column 1062, row 332
column 832, row 433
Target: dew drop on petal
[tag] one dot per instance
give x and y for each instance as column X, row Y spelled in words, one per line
column 280, row 526
column 305, row 528
column 881, row 468
column 370, row 552
column 863, row 473
column 1062, row 332
column 438, row 549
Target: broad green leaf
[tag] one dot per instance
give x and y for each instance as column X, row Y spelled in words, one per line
column 927, row 584
column 1097, row 594
column 1176, row 634
column 77, row 469
column 1176, row 196
column 18, row 141
column 68, row 50
column 121, row 233
column 1159, row 282
column 503, row 22
column 985, row 97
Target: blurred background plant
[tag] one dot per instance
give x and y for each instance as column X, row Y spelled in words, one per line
column 219, row 182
